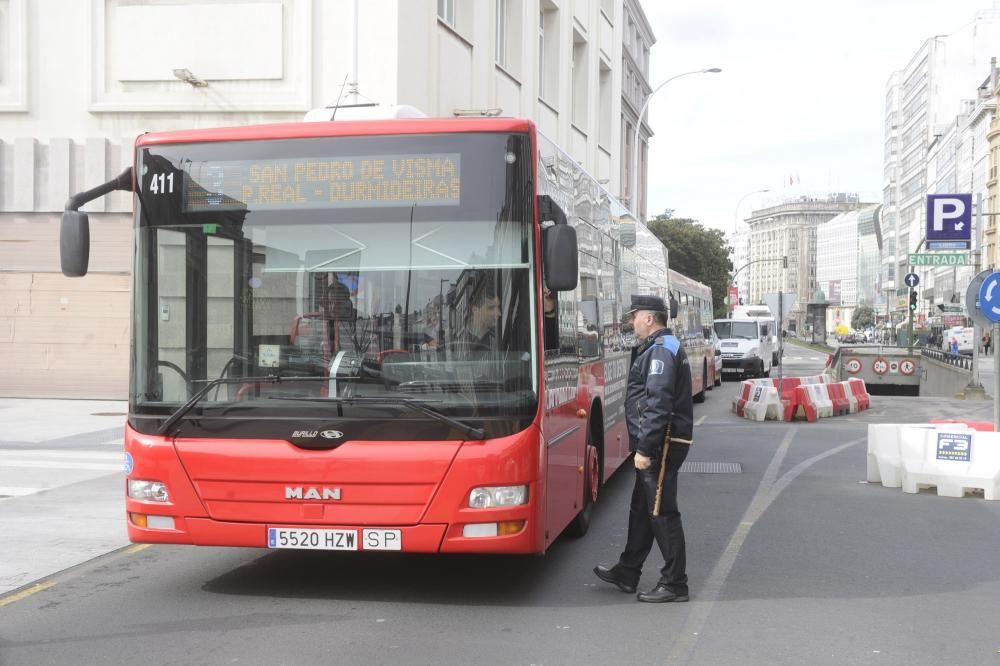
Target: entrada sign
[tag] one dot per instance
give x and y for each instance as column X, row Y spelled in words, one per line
column 942, row 259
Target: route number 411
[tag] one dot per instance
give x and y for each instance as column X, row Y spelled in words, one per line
column 162, row 183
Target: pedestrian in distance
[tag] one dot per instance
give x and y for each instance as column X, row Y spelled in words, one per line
column 659, row 415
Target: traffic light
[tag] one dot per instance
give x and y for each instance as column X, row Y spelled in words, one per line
column 913, row 300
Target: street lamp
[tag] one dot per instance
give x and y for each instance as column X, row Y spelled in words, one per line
column 736, row 226
column 736, row 213
column 638, row 126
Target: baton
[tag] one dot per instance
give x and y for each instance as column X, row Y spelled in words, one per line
column 663, row 467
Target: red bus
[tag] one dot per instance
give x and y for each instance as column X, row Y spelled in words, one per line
column 694, row 318
column 342, row 337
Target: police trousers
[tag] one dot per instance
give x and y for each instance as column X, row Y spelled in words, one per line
column 666, row 529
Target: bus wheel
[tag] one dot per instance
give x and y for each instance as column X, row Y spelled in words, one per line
column 700, row 397
column 591, row 485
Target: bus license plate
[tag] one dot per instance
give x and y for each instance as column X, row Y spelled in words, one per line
column 333, row 539
column 311, row 539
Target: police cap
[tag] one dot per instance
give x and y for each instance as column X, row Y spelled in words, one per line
column 653, row 303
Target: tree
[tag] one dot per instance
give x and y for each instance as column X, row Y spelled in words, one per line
column 699, row 253
column 862, row 318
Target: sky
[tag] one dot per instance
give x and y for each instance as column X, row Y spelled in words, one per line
column 801, row 96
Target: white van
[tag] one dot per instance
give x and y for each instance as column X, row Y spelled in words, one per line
column 963, row 335
column 747, row 347
column 763, row 314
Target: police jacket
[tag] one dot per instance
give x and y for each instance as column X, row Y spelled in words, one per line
column 658, row 393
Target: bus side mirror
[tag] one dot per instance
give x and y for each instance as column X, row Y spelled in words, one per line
column 74, row 243
column 559, row 248
column 673, row 308
column 74, row 233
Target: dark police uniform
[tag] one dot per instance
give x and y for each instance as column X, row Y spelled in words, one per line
column 658, row 394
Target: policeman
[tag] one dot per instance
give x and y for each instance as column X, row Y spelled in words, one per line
column 658, row 398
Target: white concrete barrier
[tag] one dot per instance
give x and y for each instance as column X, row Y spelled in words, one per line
column 884, row 449
column 955, row 460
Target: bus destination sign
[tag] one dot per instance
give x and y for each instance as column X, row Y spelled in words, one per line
column 343, row 182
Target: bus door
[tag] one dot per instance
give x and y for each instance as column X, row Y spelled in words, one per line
column 562, row 430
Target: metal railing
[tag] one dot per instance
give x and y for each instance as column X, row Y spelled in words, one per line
column 958, row 360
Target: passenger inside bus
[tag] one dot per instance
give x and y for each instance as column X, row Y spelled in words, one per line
column 337, row 308
column 479, row 333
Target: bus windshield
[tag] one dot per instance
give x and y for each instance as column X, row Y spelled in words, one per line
column 746, row 330
column 350, row 267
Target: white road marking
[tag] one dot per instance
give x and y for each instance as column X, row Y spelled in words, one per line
column 13, row 491
column 27, row 463
column 56, row 453
column 767, row 491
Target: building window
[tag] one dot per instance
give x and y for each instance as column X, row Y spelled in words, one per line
column 446, row 12
column 579, row 82
column 541, row 53
column 501, row 36
column 626, row 151
column 548, row 52
column 604, row 109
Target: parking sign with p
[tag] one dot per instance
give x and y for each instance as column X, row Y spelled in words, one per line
column 949, row 221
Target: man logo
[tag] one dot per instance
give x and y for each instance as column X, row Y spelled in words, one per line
column 331, row 434
column 299, row 493
column 656, row 367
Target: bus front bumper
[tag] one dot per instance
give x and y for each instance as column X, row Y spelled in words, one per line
column 424, row 538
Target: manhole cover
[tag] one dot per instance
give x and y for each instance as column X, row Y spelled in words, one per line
column 109, row 414
column 711, row 468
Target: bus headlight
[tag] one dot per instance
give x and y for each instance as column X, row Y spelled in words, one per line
column 489, row 497
column 148, row 491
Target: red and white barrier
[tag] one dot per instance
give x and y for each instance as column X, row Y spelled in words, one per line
column 857, row 388
column 813, row 401
column 812, row 398
column 838, row 398
column 758, row 402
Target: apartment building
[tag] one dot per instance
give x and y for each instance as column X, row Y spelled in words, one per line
column 68, row 121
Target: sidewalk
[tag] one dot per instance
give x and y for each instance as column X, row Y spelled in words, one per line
column 61, row 486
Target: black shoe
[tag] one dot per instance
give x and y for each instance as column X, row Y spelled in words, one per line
column 611, row 575
column 660, row 594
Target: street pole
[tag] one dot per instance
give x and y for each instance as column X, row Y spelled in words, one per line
column 977, row 333
column 635, row 139
column 996, row 380
column 909, row 325
column 781, row 337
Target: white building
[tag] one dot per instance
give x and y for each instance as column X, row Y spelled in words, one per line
column 740, row 256
column 921, row 101
column 958, row 162
column 837, row 259
column 68, row 120
column 843, row 252
column 789, row 231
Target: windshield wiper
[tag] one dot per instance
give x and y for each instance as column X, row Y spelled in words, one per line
column 196, row 398
column 416, row 405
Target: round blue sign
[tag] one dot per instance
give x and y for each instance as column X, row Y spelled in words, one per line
column 989, row 297
column 128, row 463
